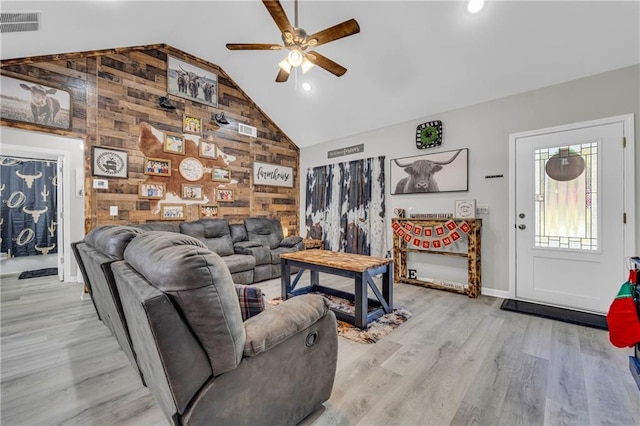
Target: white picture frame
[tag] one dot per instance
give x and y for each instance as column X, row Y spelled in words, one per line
column 465, row 209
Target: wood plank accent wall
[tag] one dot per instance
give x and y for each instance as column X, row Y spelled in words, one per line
column 115, row 94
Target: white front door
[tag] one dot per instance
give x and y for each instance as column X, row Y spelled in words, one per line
column 569, row 210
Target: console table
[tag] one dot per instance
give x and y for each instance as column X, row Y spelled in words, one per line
column 404, row 243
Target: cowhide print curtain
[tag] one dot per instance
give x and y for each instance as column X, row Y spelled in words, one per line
column 28, row 207
column 345, row 206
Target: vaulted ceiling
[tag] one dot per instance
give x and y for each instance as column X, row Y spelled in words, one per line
column 410, row 60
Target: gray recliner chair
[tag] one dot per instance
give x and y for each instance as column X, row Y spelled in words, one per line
column 95, row 253
column 201, row 362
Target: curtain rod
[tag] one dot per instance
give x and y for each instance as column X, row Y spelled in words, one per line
column 13, row 157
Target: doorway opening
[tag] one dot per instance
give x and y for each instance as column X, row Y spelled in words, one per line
column 68, row 155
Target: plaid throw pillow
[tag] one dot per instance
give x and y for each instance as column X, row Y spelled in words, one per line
column 251, row 300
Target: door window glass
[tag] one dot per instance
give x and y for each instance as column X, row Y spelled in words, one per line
column 566, row 197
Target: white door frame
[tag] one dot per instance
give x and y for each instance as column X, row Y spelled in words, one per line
column 53, row 155
column 629, row 192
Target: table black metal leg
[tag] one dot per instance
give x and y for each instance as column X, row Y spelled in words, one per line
column 285, row 271
column 361, row 302
column 315, row 277
column 387, row 286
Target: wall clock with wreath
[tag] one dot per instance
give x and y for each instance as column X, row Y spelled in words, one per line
column 429, row 134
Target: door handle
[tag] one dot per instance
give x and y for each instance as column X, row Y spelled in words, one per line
column 522, row 226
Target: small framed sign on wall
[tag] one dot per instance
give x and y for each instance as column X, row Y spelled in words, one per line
column 272, row 174
column 109, row 162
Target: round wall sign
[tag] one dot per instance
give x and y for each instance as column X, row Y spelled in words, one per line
column 429, row 135
column 191, row 169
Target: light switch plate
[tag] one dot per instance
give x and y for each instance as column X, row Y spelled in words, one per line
column 482, row 209
column 101, row 184
column 113, row 211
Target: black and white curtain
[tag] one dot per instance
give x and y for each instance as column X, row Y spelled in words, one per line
column 345, row 206
column 28, row 207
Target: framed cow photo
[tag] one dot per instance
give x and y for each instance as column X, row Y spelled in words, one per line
column 28, row 102
column 191, row 82
column 445, row 171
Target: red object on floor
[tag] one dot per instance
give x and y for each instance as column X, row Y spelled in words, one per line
column 622, row 318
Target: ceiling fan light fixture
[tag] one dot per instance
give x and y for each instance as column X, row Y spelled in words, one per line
column 475, row 6
column 285, row 66
column 295, row 57
column 306, row 65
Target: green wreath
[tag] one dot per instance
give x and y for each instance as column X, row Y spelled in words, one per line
column 428, row 135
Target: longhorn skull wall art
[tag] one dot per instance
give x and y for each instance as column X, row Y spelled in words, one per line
column 438, row 172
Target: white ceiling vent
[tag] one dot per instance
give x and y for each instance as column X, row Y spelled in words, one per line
column 245, row 129
column 12, row 22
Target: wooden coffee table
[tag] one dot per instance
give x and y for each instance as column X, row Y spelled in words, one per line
column 359, row 267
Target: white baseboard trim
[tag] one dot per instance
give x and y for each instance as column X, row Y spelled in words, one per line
column 503, row 294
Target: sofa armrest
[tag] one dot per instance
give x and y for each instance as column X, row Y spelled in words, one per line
column 277, row 324
column 290, row 241
column 244, row 247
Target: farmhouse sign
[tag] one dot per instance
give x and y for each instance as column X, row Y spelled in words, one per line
column 345, row 151
column 272, row 174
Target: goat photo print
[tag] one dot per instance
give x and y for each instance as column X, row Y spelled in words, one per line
column 438, row 172
column 33, row 103
column 191, row 82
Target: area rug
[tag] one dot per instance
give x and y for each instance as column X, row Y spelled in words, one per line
column 559, row 314
column 38, row 273
column 375, row 330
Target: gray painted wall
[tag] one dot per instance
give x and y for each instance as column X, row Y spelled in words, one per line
column 484, row 129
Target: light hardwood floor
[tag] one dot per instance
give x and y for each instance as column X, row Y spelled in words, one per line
column 456, row 361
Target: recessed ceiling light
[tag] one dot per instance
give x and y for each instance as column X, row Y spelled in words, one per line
column 475, row 6
column 306, row 86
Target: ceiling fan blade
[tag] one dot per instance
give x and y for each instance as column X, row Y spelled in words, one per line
column 282, row 77
column 279, row 16
column 336, row 32
column 326, row 63
column 253, row 46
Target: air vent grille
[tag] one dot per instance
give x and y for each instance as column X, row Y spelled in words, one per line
column 12, row 22
column 245, row 129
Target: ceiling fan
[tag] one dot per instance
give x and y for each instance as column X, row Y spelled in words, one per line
column 297, row 41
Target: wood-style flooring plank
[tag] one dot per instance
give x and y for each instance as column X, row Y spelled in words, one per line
column 566, row 389
column 457, row 361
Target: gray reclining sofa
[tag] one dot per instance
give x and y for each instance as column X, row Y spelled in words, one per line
column 251, row 250
column 106, row 244
column 205, row 365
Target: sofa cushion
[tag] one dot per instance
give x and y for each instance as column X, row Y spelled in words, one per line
column 111, row 240
column 239, row 262
column 200, row 286
column 214, row 233
column 267, row 231
column 251, row 300
column 238, row 232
